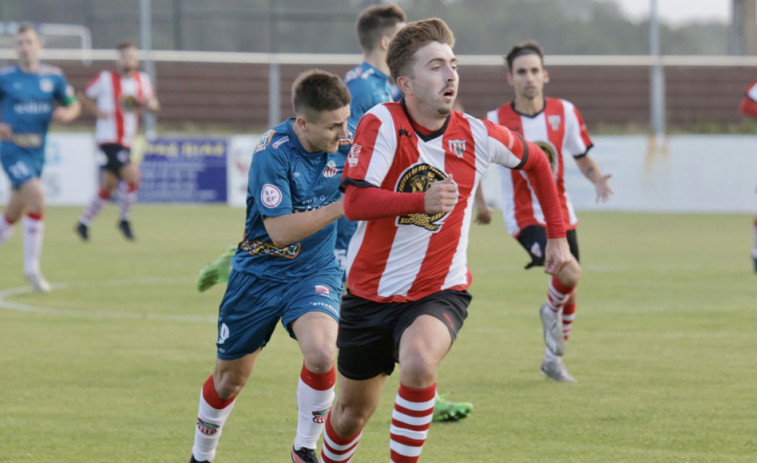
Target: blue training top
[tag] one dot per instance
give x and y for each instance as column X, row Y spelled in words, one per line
column 368, row 87
column 27, row 103
column 284, row 178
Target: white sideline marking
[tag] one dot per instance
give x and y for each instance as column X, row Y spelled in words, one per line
column 9, row 305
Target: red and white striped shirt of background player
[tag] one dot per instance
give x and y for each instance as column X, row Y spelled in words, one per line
column 558, row 130
column 393, row 262
column 118, row 96
column 749, row 102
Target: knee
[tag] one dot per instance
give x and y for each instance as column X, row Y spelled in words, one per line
column 228, row 384
column 348, row 421
column 320, row 358
column 570, row 275
column 418, row 370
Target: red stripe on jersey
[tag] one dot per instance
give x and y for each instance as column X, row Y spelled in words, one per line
column 582, row 127
column 554, row 117
column 443, row 244
column 119, row 115
column 92, row 82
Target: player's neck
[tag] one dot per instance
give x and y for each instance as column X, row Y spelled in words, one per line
column 529, row 106
column 427, row 119
column 30, row 67
column 377, row 59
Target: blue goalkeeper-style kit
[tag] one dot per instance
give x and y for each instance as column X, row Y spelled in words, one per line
column 267, row 282
column 368, row 87
column 27, row 101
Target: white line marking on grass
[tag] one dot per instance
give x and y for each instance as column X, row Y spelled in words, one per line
column 9, row 305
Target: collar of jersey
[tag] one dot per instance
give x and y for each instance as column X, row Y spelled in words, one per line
column 422, row 135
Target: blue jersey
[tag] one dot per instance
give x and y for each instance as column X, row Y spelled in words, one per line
column 368, row 87
column 284, row 178
column 27, row 101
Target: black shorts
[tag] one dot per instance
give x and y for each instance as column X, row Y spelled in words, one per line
column 116, row 157
column 534, row 240
column 370, row 332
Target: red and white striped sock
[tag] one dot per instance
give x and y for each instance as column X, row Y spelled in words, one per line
column 568, row 315
column 211, row 416
column 315, row 393
column 34, row 232
column 6, row 228
column 411, row 418
column 337, row 449
column 557, row 294
column 127, row 196
column 94, row 207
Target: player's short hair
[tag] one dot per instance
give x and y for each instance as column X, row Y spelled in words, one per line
column 525, row 48
column 124, row 44
column 375, row 22
column 316, row 90
column 24, row 27
column 411, row 38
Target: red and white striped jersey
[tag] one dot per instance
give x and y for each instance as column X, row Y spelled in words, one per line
column 558, row 129
column 400, row 259
column 119, row 97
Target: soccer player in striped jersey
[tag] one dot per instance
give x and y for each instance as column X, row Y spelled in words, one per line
column 557, row 127
column 29, row 92
column 117, row 99
column 409, row 179
column 748, row 107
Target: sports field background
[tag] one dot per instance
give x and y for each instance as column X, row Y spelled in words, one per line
column 108, row 367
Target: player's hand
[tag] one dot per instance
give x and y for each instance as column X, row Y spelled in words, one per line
column 484, row 214
column 6, row 132
column 557, row 255
column 603, row 188
column 441, row 196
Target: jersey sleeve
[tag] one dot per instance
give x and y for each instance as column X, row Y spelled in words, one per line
column 577, row 140
column 505, row 146
column 372, row 151
column 64, row 93
column 147, row 87
column 94, row 87
column 269, row 183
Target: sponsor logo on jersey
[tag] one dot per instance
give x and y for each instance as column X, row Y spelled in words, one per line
column 457, row 147
column 32, row 107
column 319, row 416
column 554, row 121
column 129, row 103
column 206, row 427
column 330, row 170
column 270, row 196
column 416, row 179
column 551, row 153
column 352, row 158
column 259, row 248
column 322, row 290
column 46, row 85
column 265, row 140
column 280, row 142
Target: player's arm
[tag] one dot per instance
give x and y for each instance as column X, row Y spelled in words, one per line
column 150, row 101
column 591, row 171
column 483, row 211
column 69, row 108
column 90, row 106
column 290, row 228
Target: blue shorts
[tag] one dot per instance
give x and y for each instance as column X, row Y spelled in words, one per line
column 22, row 166
column 252, row 306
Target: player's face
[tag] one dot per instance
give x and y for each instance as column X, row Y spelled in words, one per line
column 433, row 84
column 128, row 60
column 324, row 129
column 28, row 46
column 528, row 77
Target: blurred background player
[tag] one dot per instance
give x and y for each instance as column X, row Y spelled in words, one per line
column 409, row 179
column 29, row 92
column 369, row 84
column 749, row 108
column 285, row 268
column 556, row 126
column 117, row 98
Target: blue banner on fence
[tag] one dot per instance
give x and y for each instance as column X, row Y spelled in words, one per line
column 184, row 170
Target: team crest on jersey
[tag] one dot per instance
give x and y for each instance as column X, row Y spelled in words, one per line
column 46, row 85
column 270, row 196
column 457, row 147
column 352, row 158
column 330, row 170
column 416, row 179
column 551, row 153
column 554, row 121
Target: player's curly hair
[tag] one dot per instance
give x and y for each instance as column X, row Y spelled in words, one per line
column 409, row 39
column 525, row 48
column 316, row 90
column 376, row 22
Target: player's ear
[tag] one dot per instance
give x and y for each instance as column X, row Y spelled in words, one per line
column 403, row 82
column 546, row 77
column 509, row 78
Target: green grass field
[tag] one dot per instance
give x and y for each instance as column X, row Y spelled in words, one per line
column 108, row 367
